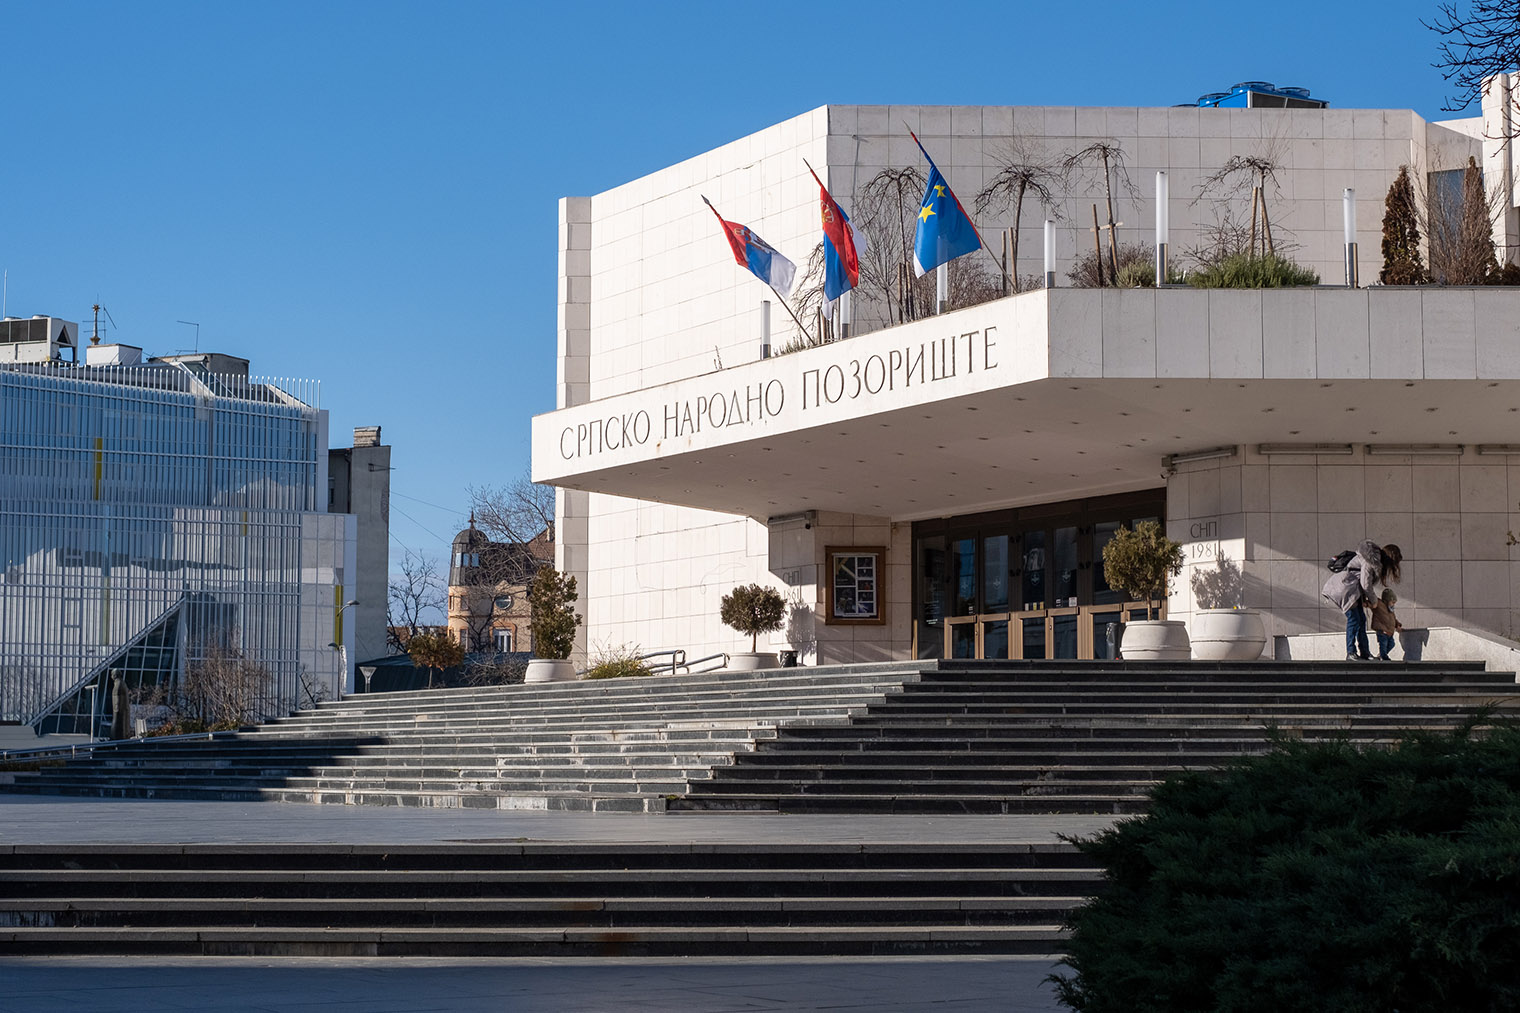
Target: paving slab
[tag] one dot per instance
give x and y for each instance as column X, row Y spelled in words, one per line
column 524, row 985
column 529, row 985
column 67, row 820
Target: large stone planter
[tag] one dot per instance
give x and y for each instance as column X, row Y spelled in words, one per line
column 747, row 661
column 549, row 670
column 1228, row 635
column 1156, row 640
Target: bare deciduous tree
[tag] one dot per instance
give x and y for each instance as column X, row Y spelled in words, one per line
column 516, row 513
column 1021, row 172
column 887, row 203
column 1459, row 224
column 1479, row 40
column 808, row 301
column 1103, row 162
column 412, row 596
column 1086, row 270
column 518, row 520
column 1226, row 236
column 1232, row 179
column 221, row 689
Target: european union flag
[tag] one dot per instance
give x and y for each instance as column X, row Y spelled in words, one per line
column 944, row 229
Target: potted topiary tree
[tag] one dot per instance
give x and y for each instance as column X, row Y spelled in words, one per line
column 552, row 621
column 753, row 609
column 1138, row 561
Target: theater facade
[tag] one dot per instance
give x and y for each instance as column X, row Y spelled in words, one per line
column 944, row 487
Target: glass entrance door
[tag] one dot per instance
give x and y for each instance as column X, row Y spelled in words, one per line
column 1024, row 583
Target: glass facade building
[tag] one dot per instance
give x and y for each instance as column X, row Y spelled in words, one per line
column 155, row 516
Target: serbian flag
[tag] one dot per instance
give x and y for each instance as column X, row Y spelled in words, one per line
column 842, row 245
column 756, row 254
column 944, row 229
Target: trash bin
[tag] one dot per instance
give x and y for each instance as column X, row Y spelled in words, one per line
column 1114, row 634
column 788, row 658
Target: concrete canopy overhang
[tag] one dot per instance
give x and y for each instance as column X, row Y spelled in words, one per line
column 1052, row 395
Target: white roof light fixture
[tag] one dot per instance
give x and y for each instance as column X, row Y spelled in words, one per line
column 1416, row 449
column 1172, row 460
column 1339, row 449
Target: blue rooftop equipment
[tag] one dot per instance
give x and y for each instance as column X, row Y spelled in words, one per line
column 1261, row 95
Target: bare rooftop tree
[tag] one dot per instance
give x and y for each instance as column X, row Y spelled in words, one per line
column 1021, row 172
column 1478, row 40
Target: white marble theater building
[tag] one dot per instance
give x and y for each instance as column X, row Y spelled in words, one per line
column 944, row 487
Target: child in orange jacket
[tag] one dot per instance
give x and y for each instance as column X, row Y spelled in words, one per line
column 1384, row 623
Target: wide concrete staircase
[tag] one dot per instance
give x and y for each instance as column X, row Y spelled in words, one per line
column 541, row 899
column 624, row 745
column 1041, row 737
column 914, row 738
column 932, row 737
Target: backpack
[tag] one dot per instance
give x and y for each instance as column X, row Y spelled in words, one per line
column 1340, row 560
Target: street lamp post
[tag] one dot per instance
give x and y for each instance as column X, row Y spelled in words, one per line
column 342, row 648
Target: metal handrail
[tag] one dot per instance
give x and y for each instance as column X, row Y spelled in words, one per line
column 77, row 748
column 677, row 659
column 678, row 663
column 710, row 657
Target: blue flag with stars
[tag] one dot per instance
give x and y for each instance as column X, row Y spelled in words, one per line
column 944, row 230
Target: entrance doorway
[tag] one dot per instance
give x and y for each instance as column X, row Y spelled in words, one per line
column 1024, row 583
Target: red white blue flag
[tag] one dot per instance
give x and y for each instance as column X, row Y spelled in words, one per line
column 756, row 254
column 842, row 245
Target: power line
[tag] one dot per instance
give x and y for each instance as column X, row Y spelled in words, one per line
column 421, row 525
column 436, row 506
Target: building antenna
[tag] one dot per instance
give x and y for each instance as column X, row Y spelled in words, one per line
column 95, row 338
column 192, row 323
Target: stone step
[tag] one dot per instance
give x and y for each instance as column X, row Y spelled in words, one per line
column 672, row 884
column 923, row 775
column 584, row 909
column 623, row 941
column 910, row 802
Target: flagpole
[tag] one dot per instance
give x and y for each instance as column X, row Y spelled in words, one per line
column 800, row 329
column 982, row 243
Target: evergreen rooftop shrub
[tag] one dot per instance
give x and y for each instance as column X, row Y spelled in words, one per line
column 1241, row 270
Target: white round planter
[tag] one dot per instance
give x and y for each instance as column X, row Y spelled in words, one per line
column 549, row 670
column 1156, row 640
column 1228, row 635
column 747, row 661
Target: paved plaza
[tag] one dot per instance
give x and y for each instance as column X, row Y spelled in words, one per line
column 110, row 984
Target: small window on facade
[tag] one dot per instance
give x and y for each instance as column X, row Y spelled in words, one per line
column 504, row 641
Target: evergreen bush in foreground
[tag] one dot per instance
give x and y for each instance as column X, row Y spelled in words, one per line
column 1316, row 877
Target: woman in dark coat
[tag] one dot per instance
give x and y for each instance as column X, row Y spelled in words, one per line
column 1352, row 588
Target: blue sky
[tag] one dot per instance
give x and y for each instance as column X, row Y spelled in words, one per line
column 366, row 193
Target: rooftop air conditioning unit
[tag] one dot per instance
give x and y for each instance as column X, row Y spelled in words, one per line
column 37, row 339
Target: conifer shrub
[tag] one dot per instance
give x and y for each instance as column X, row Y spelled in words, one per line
column 1402, row 262
column 1241, row 270
column 552, row 617
column 1315, row 877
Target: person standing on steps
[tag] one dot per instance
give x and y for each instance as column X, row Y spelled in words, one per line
column 1384, row 623
column 1353, row 588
